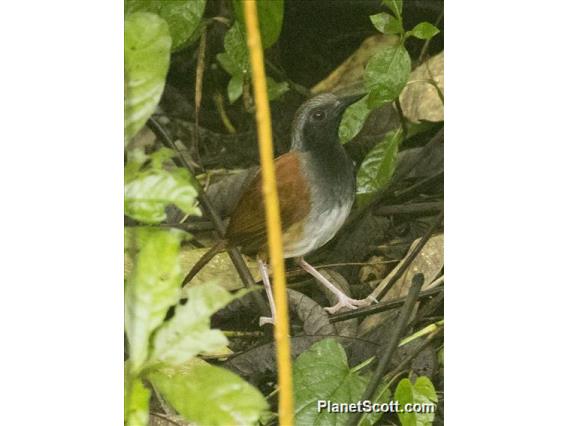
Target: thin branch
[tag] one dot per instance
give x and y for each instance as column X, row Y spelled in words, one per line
column 199, row 89
column 304, row 91
column 165, row 406
column 409, row 208
column 391, row 186
column 400, row 326
column 408, row 260
column 383, row 306
column 196, row 226
column 210, row 211
column 402, row 118
column 218, row 99
column 427, row 42
column 166, row 418
column 428, row 308
column 408, row 359
column 418, row 186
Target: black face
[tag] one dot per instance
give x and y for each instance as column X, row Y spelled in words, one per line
column 322, row 123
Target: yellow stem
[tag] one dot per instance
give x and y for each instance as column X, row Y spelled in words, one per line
column 281, row 330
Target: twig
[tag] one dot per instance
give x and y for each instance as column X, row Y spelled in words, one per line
column 429, row 307
column 427, row 42
column 429, row 329
column 402, row 118
column 300, row 272
column 408, row 260
column 210, row 211
column 389, row 189
column 163, row 404
column 304, row 91
column 392, row 244
column 218, row 99
column 199, row 89
column 272, row 211
column 166, row 418
column 436, row 282
column 408, row 359
column 247, row 334
column 400, row 326
column 418, row 186
column 333, row 265
column 383, row 306
column 190, row 226
column 409, row 208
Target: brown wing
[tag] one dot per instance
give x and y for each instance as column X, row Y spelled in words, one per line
column 247, row 227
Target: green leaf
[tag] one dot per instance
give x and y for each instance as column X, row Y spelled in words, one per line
column 151, row 288
column 386, row 23
column 182, row 16
column 228, row 65
column 135, row 160
column 414, row 129
column 424, row 386
column 146, row 60
column 270, row 16
column 422, row 392
column 189, row 332
column 235, row 60
column 147, row 196
column 382, row 396
column 322, row 373
column 386, row 75
column 423, row 31
column 235, row 88
column 353, row 120
column 378, row 166
column 220, row 269
column 137, row 399
column 208, row 395
column 276, row 89
column 148, row 192
column 395, row 6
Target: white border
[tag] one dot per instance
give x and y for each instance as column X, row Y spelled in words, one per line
column 506, row 213
column 61, row 186
column 61, row 183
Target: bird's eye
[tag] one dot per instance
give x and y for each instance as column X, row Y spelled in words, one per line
column 318, row 115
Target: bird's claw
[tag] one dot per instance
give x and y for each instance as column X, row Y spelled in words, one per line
column 347, row 302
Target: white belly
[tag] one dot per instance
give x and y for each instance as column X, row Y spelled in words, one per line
column 318, row 230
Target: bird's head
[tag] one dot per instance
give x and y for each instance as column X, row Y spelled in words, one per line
column 317, row 121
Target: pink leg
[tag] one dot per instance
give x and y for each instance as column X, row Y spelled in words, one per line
column 343, row 299
column 266, row 281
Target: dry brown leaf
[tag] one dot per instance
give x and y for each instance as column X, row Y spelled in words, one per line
column 420, row 99
column 429, row 262
column 220, row 269
column 351, row 71
column 145, row 138
column 373, row 273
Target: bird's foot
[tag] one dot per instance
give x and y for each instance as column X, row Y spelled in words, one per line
column 266, row 320
column 347, row 302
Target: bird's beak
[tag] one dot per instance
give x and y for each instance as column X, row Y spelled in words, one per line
column 345, row 101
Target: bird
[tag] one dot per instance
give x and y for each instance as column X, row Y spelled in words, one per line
column 316, row 189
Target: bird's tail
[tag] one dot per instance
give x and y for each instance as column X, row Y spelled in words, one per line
column 204, row 260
